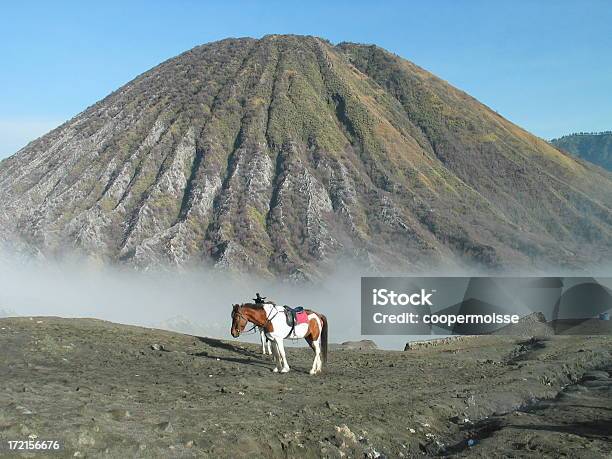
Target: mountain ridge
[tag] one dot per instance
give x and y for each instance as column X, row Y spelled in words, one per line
column 595, row 147
column 284, row 154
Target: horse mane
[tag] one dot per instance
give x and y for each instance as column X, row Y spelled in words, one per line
column 258, row 306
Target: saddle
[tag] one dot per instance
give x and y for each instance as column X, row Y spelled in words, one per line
column 295, row 316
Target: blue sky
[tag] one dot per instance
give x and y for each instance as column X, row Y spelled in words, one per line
column 544, row 65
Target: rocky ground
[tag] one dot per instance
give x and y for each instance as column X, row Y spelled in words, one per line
column 576, row 423
column 104, row 389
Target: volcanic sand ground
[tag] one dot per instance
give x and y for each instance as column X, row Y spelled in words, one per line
column 101, row 390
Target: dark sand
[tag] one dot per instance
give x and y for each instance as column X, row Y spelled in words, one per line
column 101, row 390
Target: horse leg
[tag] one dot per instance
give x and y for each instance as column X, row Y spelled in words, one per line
column 317, row 364
column 269, row 346
column 276, row 355
column 262, row 336
column 310, row 342
column 283, row 356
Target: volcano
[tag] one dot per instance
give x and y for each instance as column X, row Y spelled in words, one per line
column 286, row 155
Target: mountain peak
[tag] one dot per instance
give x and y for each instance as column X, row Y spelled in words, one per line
column 285, row 154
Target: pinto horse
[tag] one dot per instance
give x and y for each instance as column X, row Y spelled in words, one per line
column 271, row 318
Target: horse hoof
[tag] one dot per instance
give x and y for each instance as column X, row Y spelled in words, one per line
column 312, row 372
column 285, row 370
column 275, row 370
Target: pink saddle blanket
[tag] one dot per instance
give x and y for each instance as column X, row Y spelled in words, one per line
column 301, row 317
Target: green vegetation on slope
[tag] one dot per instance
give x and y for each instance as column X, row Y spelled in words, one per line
column 284, row 154
column 595, row 147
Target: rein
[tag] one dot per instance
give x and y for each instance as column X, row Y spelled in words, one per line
column 252, row 329
column 248, row 332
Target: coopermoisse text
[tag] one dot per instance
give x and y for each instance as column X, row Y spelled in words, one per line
column 483, row 305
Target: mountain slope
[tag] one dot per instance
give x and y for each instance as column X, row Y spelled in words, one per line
column 284, row 154
column 595, row 147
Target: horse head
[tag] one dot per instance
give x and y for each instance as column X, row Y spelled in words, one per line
column 239, row 321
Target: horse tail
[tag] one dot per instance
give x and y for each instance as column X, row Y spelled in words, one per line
column 324, row 335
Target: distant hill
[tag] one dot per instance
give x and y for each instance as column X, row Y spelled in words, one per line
column 595, row 147
column 287, row 155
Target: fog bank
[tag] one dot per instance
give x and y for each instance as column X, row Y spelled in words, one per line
column 196, row 301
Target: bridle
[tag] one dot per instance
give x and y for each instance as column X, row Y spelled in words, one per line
column 237, row 312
